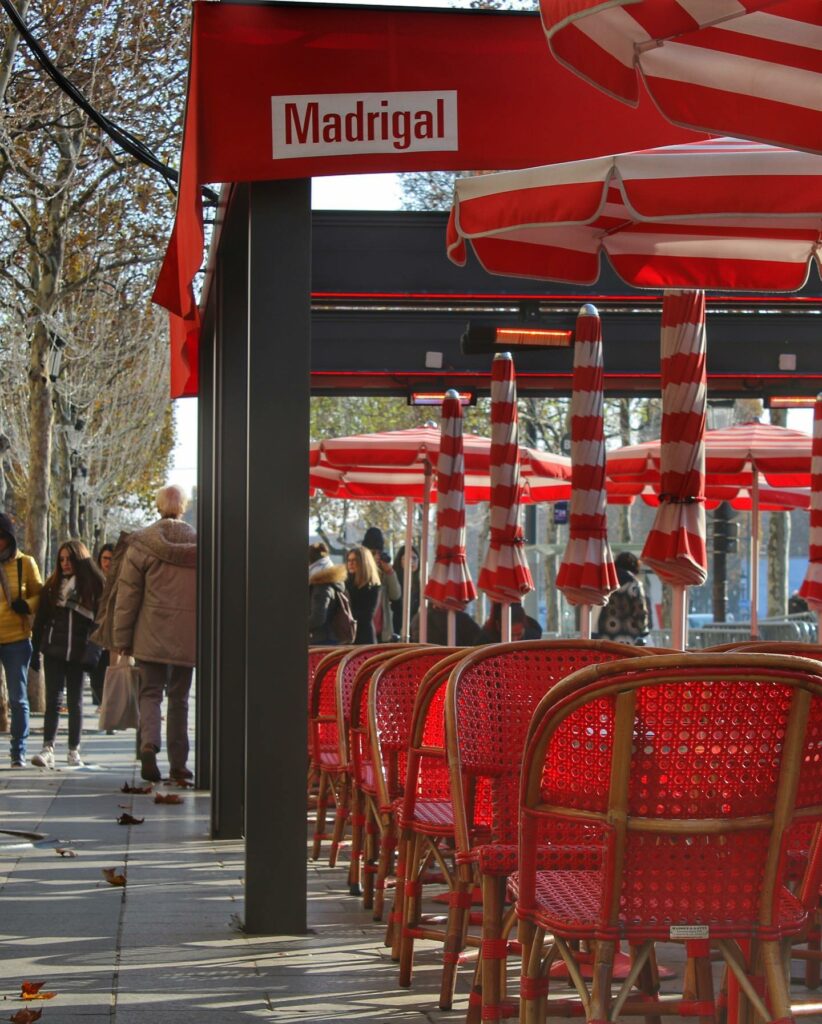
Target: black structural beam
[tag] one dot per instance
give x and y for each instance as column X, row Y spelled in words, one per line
column 230, row 442
column 276, row 638
column 388, row 310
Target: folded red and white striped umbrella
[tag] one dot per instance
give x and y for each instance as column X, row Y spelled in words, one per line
column 716, row 214
column 450, row 584
column 733, row 456
column 811, row 588
column 771, row 499
column 750, row 68
column 587, row 574
column 675, row 547
column 505, row 575
column 392, row 464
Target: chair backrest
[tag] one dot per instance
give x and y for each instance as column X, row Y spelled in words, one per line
column 427, row 773
column 346, row 675
column 490, row 699
column 692, row 772
column 322, row 705
column 794, row 649
column 358, row 747
column 386, row 724
column 315, row 656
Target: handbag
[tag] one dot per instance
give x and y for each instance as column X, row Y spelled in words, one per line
column 91, row 655
column 118, row 708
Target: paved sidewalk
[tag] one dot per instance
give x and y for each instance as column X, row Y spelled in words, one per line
column 167, row 948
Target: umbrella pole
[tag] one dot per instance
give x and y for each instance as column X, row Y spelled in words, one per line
column 406, row 590
column 452, row 628
column 426, row 516
column 679, row 616
column 585, row 621
column 755, row 555
column 505, row 622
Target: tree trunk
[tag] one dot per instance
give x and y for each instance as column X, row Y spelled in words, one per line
column 624, row 532
column 552, row 608
column 41, row 416
column 37, row 692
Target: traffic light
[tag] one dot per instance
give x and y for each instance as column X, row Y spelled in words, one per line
column 726, row 536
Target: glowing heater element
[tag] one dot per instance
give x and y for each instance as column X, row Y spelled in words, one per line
column 791, row 402
column 480, row 339
column 437, row 397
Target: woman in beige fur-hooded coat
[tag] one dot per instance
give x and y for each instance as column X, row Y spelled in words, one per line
column 155, row 620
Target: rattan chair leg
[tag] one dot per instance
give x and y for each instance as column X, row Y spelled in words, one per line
column 370, row 853
column 319, row 824
column 340, row 819
column 388, row 844
column 411, row 907
column 473, row 1014
column 459, row 907
column 779, row 997
column 354, row 868
column 393, row 931
column 648, row 982
column 601, row 981
column 532, row 1001
column 814, row 960
column 493, row 949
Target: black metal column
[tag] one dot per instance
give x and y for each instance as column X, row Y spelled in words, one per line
column 230, row 418
column 204, row 674
column 279, row 273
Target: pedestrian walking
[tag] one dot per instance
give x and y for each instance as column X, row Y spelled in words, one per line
column 390, row 590
column 155, row 621
column 363, row 587
column 399, row 572
column 325, row 582
column 624, row 618
column 62, row 626
column 98, row 673
column 20, row 587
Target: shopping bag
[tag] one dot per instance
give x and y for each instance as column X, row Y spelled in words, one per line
column 119, row 709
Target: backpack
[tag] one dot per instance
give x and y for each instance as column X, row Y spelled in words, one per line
column 342, row 622
column 105, row 609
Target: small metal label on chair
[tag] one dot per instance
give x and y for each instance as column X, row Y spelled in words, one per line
column 689, row 931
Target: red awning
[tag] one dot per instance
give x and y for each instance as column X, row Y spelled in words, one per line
column 422, row 90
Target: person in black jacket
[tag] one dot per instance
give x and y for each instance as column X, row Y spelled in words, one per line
column 64, row 620
column 523, row 627
column 399, row 570
column 325, row 582
column 363, row 586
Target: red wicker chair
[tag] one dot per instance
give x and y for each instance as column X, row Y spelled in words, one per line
column 381, row 706
column 315, row 656
column 346, row 675
column 692, row 773
column 490, row 699
column 426, row 823
column 322, row 724
column 353, row 681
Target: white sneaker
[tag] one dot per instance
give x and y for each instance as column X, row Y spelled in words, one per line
column 45, row 759
column 73, row 759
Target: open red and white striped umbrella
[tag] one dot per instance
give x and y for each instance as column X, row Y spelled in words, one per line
column 505, row 575
column 396, row 464
column 811, row 588
column 675, row 548
column 717, row 214
column 449, row 585
column 750, row 68
column 587, row 574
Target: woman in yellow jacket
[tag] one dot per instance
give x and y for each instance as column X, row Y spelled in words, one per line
column 20, row 587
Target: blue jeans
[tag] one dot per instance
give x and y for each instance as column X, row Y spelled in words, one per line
column 15, row 660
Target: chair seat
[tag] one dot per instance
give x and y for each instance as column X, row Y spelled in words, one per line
column 503, row 858
column 435, row 817
column 330, row 760
column 367, row 780
column 570, row 904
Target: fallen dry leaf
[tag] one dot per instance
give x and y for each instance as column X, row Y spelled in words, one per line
column 125, row 788
column 129, row 819
column 25, row 1016
column 64, row 852
column 31, row 990
column 111, row 876
column 167, row 798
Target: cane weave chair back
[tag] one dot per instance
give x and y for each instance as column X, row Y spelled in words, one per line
column 491, row 697
column 359, row 748
column 322, row 708
column 692, row 772
column 390, row 708
column 347, row 671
